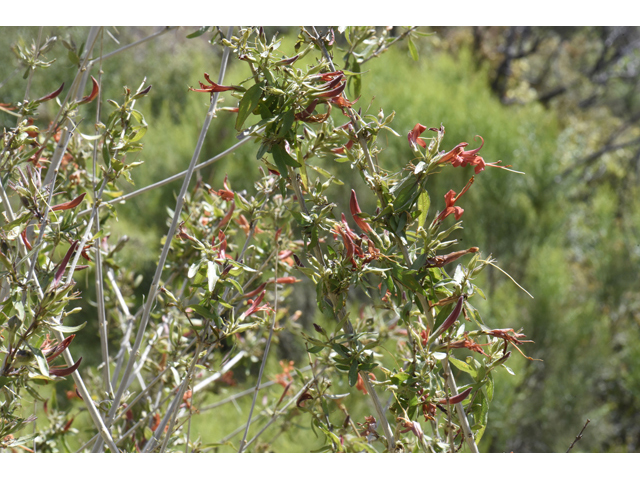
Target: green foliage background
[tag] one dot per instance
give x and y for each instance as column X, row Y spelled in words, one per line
column 577, row 254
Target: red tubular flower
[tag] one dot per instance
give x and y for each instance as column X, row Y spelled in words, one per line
column 183, row 234
column 360, row 383
column 456, row 398
column 510, row 337
column 355, row 210
column 51, row 350
column 451, row 198
column 225, row 193
column 255, row 292
column 451, row 319
column 414, row 135
column 332, row 93
column 459, row 158
column 287, row 61
column 58, row 276
column 306, row 113
column 469, row 344
column 69, row 205
column 442, row 260
column 25, row 240
column 413, row 427
column 93, row 94
column 222, row 246
column 329, row 75
column 64, row 371
column 227, row 217
column 214, row 87
column 342, row 102
column 283, row 280
column 255, row 307
column 51, row 96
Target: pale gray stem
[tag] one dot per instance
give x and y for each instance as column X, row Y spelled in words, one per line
column 172, row 412
column 229, row 365
column 102, row 320
column 131, row 45
column 143, row 393
column 234, row 397
column 462, row 416
column 264, row 358
column 170, row 179
column 277, row 413
column 124, row 344
column 165, row 250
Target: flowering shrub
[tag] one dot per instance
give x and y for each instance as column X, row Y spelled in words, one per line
column 231, row 259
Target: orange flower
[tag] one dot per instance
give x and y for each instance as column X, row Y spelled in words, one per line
column 469, row 344
column 225, row 193
column 355, row 210
column 214, row 87
column 285, row 377
column 255, row 307
column 414, row 136
column 451, row 198
column 360, row 383
column 459, row 158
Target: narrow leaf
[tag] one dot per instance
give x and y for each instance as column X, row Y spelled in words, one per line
column 249, row 102
column 353, row 374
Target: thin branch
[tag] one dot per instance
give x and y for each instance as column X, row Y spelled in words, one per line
column 579, row 435
column 129, row 406
column 165, row 250
column 247, row 392
column 131, row 45
column 264, row 356
column 99, row 277
column 219, row 374
column 177, row 176
column 277, row 413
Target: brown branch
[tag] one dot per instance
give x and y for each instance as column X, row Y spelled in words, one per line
column 579, row 435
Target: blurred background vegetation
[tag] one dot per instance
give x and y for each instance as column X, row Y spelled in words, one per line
column 561, row 104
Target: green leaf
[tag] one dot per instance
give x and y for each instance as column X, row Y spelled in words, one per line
column 235, row 284
column 424, row 202
column 139, row 133
column 43, row 366
column 460, row 365
column 24, row 218
column 249, row 102
column 340, row 350
column 316, row 349
column 278, row 151
column 202, row 311
column 67, row 329
column 353, row 374
column 357, row 80
column 489, row 387
column 197, row 33
column 412, row 49
column 287, row 122
column 326, row 174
